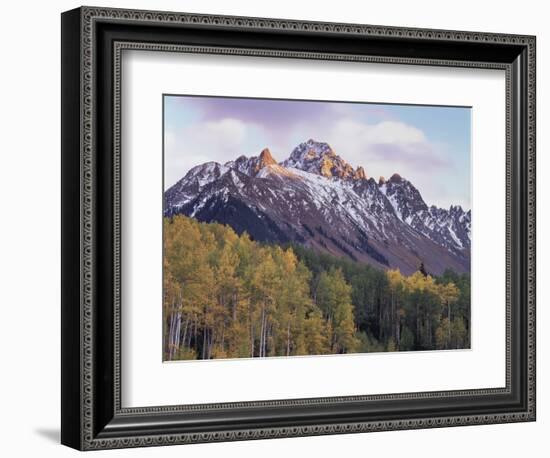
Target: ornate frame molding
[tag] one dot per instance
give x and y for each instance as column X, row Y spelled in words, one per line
column 89, row 434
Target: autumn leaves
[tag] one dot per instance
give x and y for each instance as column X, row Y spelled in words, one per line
column 226, row 296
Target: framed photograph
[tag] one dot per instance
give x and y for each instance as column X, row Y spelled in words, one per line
column 276, row 228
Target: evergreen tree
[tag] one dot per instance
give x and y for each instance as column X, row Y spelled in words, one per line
column 422, row 269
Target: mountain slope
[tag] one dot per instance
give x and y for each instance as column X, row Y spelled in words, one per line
column 317, row 199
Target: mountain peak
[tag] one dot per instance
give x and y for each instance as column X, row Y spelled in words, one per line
column 456, row 209
column 360, row 173
column 259, row 162
column 311, row 150
column 319, row 158
column 321, row 145
column 404, row 197
column 252, row 165
column 266, row 158
column 396, row 178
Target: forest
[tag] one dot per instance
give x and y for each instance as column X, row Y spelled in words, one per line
column 227, row 296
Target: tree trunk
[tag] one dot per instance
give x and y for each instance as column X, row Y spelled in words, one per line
column 170, row 335
column 262, row 332
column 449, row 318
column 195, row 332
column 398, row 328
column 288, row 339
column 398, row 332
column 210, row 343
column 204, row 343
column 417, row 325
column 266, row 335
column 184, row 337
column 178, row 331
column 174, row 334
column 429, row 330
column 251, row 340
column 392, row 319
column 223, row 336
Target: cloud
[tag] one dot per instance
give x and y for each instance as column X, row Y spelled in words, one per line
column 202, row 142
column 389, row 147
column 387, row 141
column 274, row 114
column 382, row 132
column 226, row 134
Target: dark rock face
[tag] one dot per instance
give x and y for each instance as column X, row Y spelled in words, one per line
column 317, row 199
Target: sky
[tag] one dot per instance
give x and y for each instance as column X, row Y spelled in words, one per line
column 428, row 145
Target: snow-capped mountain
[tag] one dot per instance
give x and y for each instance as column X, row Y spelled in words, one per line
column 450, row 228
column 317, row 199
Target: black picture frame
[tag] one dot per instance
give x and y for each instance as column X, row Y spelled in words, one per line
column 92, row 40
